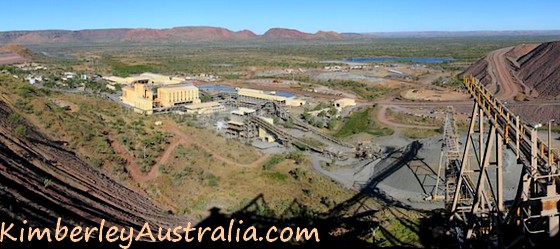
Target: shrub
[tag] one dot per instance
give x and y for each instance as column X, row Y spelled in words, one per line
column 96, row 163
column 20, row 131
column 277, row 176
column 118, row 168
column 272, row 161
column 47, row 182
column 212, row 180
column 14, row 118
column 297, row 156
column 26, row 91
column 297, row 173
column 182, row 173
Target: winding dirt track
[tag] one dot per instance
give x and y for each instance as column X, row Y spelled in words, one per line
column 500, row 73
column 186, row 137
column 182, row 138
column 41, row 180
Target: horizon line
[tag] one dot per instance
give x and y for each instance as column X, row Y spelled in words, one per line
column 319, row 30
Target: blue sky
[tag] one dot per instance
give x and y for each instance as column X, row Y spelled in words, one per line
column 308, row 16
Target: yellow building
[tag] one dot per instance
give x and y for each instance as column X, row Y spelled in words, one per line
column 205, row 108
column 140, row 97
column 263, row 134
column 253, row 96
column 150, row 78
column 170, row 96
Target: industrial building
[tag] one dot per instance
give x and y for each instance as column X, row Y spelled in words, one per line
column 170, row 96
column 205, row 108
column 185, row 98
column 140, row 97
column 236, row 124
column 147, row 78
column 239, row 128
column 255, row 97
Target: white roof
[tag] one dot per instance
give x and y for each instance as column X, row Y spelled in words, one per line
column 203, row 105
column 243, row 111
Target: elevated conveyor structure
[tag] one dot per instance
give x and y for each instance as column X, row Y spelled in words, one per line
column 478, row 212
column 450, row 160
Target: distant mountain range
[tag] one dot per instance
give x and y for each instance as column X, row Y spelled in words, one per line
column 177, row 34
column 202, row 33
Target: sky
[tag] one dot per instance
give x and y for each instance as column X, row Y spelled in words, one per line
column 360, row 16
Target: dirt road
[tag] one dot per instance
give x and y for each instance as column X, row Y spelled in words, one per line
column 131, row 165
column 211, row 151
column 502, row 79
column 134, row 169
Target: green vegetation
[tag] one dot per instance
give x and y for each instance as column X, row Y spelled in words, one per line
column 297, row 156
column 360, row 122
column 395, row 233
column 365, row 91
column 123, row 69
column 310, row 119
column 20, row 131
column 321, row 105
column 14, row 118
column 209, row 57
column 276, row 176
column 47, row 182
column 26, row 91
column 205, row 98
column 212, row 180
column 231, row 76
column 453, row 83
column 272, row 161
column 312, row 142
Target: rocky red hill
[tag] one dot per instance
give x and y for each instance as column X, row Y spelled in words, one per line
column 177, row 34
column 527, row 72
column 534, row 68
column 292, row 34
column 539, row 70
column 41, row 180
column 13, row 53
column 279, row 33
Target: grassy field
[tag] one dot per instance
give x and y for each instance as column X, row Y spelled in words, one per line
column 206, row 183
column 213, row 57
column 362, row 122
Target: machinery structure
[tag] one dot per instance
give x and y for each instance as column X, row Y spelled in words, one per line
column 249, row 123
column 450, row 158
column 479, row 214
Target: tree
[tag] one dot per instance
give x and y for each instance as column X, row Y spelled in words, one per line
column 333, row 111
column 318, row 124
column 331, row 124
